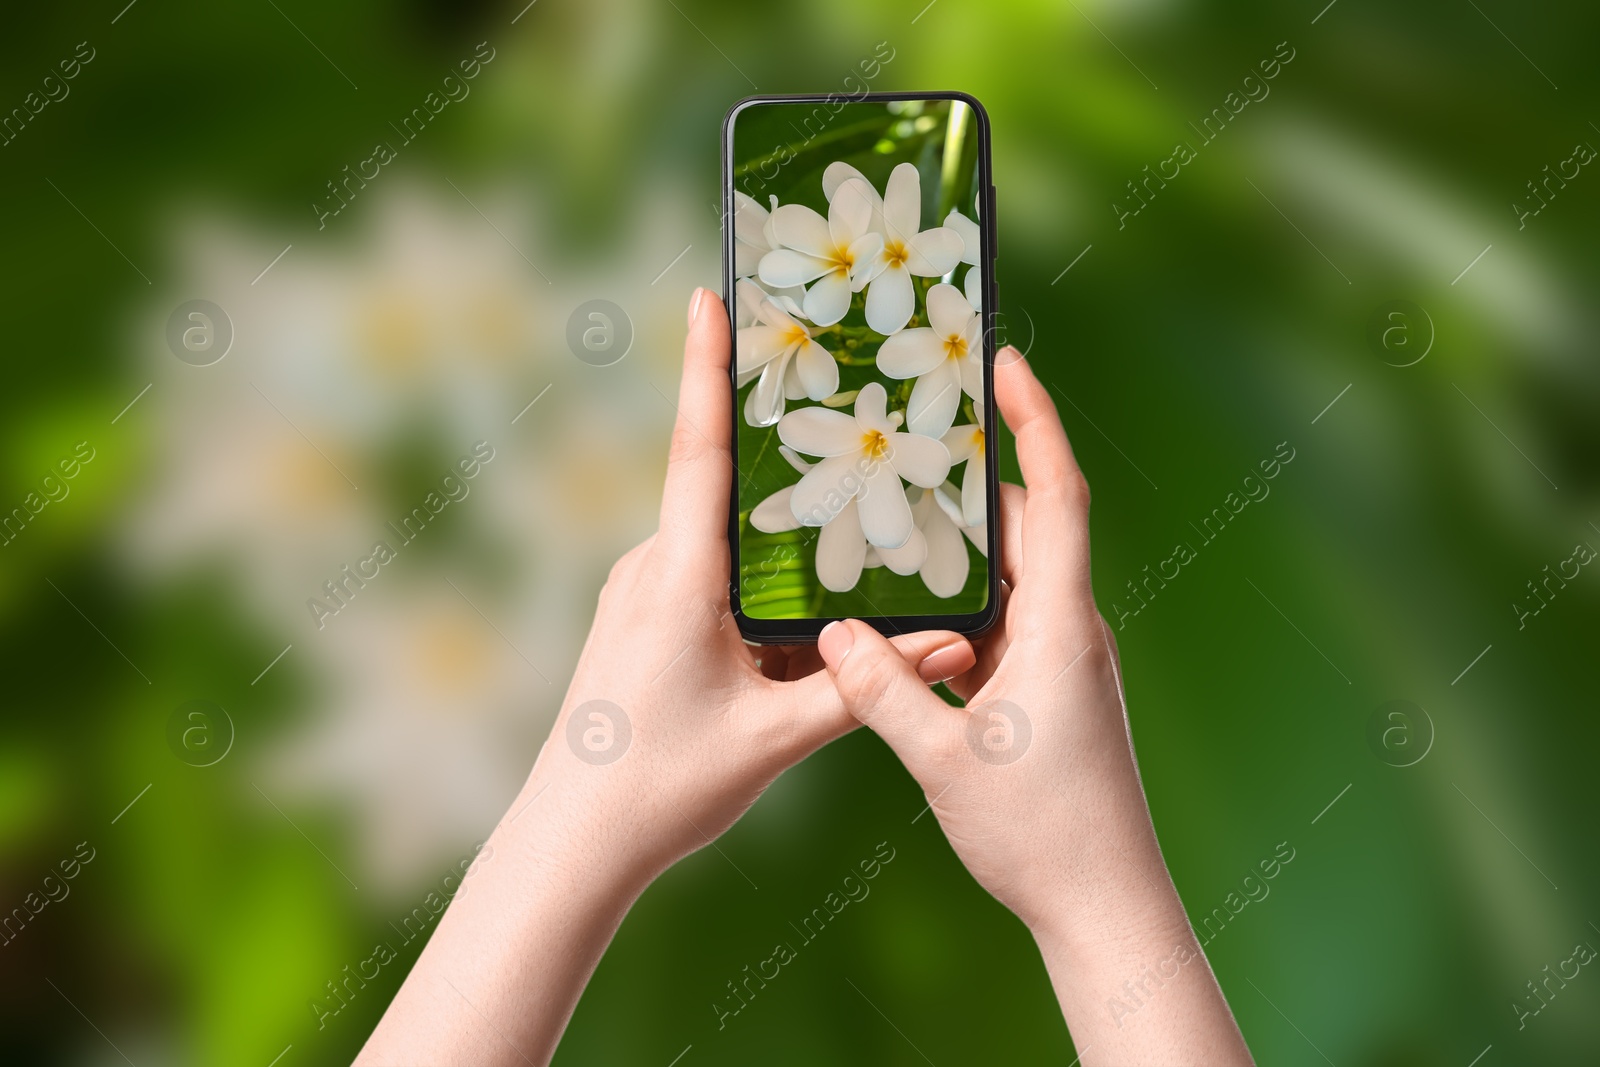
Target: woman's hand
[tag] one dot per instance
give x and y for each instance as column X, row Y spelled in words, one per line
column 1035, row 782
column 670, row 730
column 711, row 724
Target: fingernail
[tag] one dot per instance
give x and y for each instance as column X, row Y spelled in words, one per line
column 694, row 304
column 1010, row 353
column 943, row 664
column 834, row 644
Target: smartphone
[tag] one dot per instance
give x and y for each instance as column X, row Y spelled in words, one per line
column 858, row 263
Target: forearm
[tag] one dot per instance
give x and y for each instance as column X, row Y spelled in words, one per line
column 1133, row 983
column 501, row 976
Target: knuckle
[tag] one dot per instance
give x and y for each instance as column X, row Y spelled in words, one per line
column 1075, row 488
column 870, row 681
column 687, row 445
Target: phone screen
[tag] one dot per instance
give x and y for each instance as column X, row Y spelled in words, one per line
column 859, row 269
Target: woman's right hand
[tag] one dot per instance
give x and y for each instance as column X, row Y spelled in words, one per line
column 1035, row 782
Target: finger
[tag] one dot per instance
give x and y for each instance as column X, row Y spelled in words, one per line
column 1116, row 662
column 694, row 504
column 1012, row 501
column 880, row 688
column 991, row 651
column 813, row 699
column 937, row 655
column 1043, row 451
column 1057, row 509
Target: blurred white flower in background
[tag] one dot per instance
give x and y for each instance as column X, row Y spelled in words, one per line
column 375, row 358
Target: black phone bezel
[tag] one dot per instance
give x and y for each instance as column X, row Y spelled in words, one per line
column 805, row 631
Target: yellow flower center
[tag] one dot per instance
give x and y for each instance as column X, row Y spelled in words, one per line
column 955, row 346
column 896, row 253
column 843, row 262
column 794, row 334
column 977, row 440
column 874, row 445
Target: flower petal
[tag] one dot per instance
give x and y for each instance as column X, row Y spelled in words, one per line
column 797, row 226
column 890, row 301
column 972, row 374
column 787, row 300
column 962, row 442
column 909, row 557
column 973, row 287
column 850, row 211
column 919, row 460
column 902, row 204
column 758, row 345
column 764, row 405
column 784, row 267
column 819, row 374
column 971, row 240
column 910, row 353
column 773, row 515
column 934, row 399
column 820, row 432
column 934, row 252
column 837, row 174
column 749, row 220
column 885, row 515
column 871, row 404
column 948, row 311
column 748, row 297
column 841, row 551
column 746, row 258
column 974, row 499
column 866, row 260
column 793, row 387
column 825, row 489
column 828, row 298
column 794, row 459
column 944, row 572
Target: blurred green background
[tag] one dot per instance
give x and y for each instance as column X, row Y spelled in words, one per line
column 1186, row 342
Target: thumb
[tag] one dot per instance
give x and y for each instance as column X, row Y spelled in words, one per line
column 885, row 692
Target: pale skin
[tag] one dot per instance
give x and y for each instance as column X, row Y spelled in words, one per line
column 1060, row 834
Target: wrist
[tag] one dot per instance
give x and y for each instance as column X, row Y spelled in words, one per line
column 1081, row 928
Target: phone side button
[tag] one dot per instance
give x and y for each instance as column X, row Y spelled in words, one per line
column 994, row 223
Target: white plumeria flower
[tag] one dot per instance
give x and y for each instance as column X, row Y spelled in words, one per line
column 944, row 564
column 907, row 250
column 945, row 357
column 779, row 348
column 966, row 443
column 748, row 297
column 864, row 458
column 835, row 256
column 842, row 548
column 752, row 237
column 971, row 252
